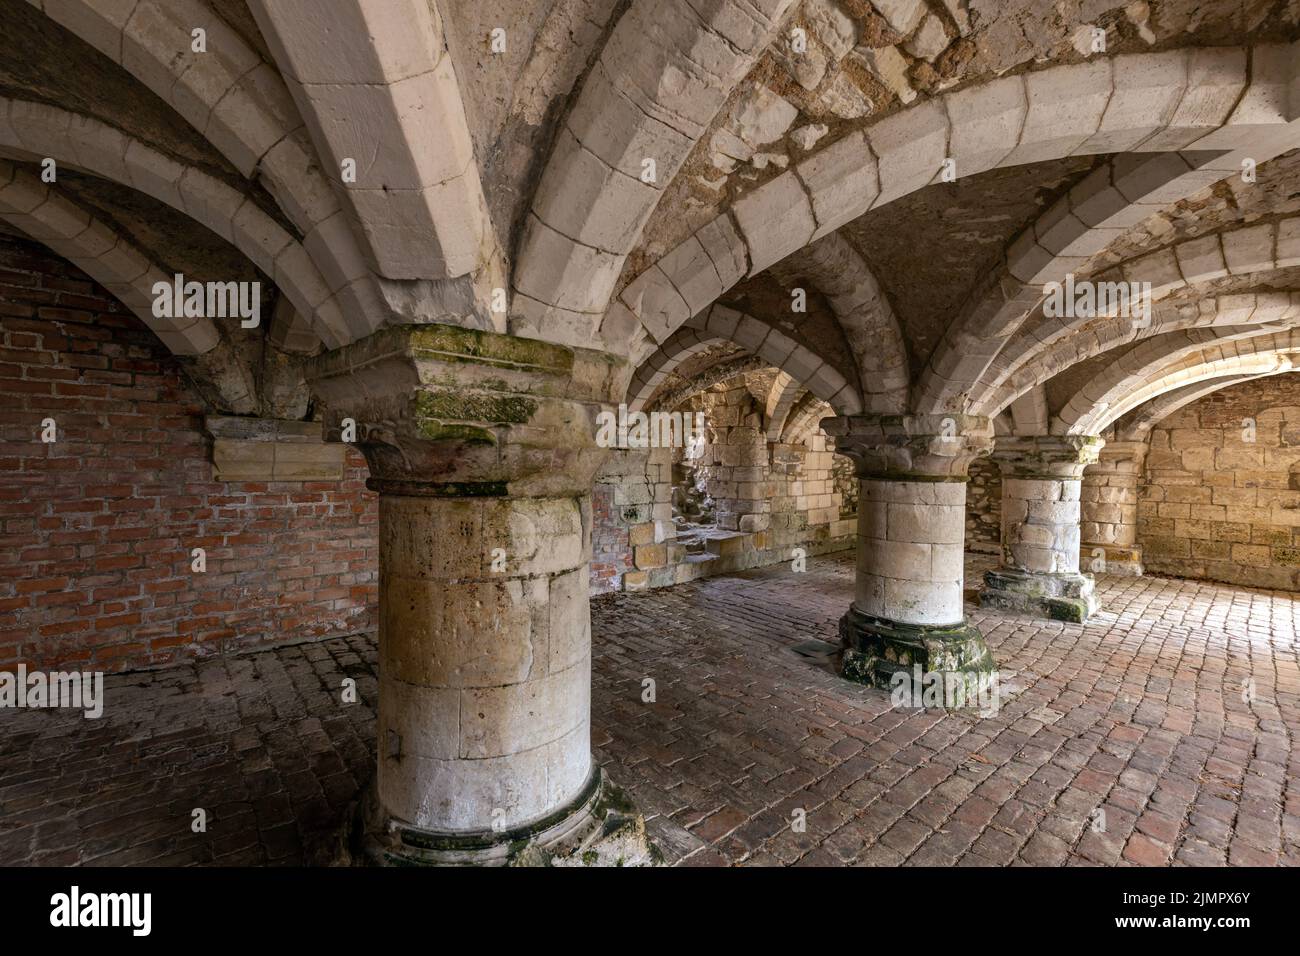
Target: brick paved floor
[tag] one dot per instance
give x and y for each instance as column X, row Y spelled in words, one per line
column 1141, row 714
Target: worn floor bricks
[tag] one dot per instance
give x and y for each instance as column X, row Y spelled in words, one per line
column 1160, row 732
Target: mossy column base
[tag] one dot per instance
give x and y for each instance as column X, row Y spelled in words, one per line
column 875, row 649
column 1061, row 597
column 908, row 613
column 1040, row 528
column 482, row 449
column 388, row 842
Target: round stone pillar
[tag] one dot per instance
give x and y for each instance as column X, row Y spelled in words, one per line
column 1040, row 528
column 1108, row 505
column 482, row 448
column 484, row 669
column 907, row 614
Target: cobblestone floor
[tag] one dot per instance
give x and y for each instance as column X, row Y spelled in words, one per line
column 1162, row 731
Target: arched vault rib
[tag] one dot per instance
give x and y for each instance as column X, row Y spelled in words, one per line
column 1150, row 370
column 727, row 325
column 238, row 102
column 371, row 72
column 804, row 421
column 1136, row 424
column 1080, row 224
column 780, row 401
column 97, row 250
column 666, row 70
column 42, row 213
column 1235, row 315
column 35, row 130
column 874, row 336
column 1247, row 250
column 1201, row 100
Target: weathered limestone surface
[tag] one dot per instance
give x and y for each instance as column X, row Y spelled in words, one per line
column 1040, row 527
column 482, row 449
column 252, row 449
column 1220, row 497
column 1108, row 517
column 907, row 608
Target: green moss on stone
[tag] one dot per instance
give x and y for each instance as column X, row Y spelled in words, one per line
column 450, row 405
column 456, row 344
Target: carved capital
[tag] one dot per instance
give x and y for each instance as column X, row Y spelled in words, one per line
column 911, row 447
column 447, row 411
column 1058, row 457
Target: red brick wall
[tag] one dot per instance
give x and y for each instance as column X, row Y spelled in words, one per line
column 96, row 529
column 611, row 552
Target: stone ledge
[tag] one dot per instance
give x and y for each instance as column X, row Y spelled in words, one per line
column 263, row 449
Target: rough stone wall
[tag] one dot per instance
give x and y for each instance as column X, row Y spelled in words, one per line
column 768, row 499
column 632, row 517
column 845, row 483
column 96, row 529
column 732, row 462
column 1109, row 499
column 1221, row 495
column 984, row 507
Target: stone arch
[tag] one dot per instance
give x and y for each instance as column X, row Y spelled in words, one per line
column 728, row 367
column 805, row 421
column 724, row 324
column 237, row 101
column 88, row 144
column 418, row 205
column 786, row 391
column 1136, row 425
column 663, row 74
column 1239, row 315
column 1080, row 224
column 683, row 344
column 874, row 336
column 99, row 251
column 1220, row 100
column 229, row 94
column 1246, row 250
column 1148, row 372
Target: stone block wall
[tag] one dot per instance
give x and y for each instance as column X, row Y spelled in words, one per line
column 97, row 528
column 732, row 464
column 984, row 507
column 769, row 498
column 1221, row 495
column 1109, row 504
column 632, row 527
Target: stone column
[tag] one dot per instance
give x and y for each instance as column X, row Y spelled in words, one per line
column 1040, row 528
column 1109, row 503
column 907, row 607
column 482, row 449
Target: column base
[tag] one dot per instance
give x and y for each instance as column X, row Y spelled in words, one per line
column 1061, row 597
column 875, row 649
column 1126, row 562
column 387, row 842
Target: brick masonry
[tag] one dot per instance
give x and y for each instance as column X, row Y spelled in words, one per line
column 96, row 529
column 1221, row 496
column 1127, row 741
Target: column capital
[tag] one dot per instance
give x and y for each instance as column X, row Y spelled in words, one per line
column 911, row 447
column 445, row 411
column 1055, row 457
